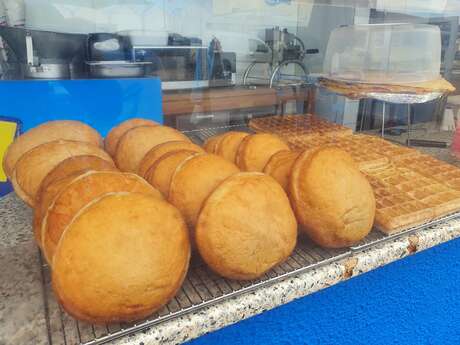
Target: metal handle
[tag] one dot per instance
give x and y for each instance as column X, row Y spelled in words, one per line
column 29, row 49
column 285, row 63
column 201, row 117
column 427, row 143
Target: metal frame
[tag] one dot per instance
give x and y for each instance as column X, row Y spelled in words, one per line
column 203, row 288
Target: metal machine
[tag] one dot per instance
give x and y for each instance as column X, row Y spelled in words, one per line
column 45, row 54
column 283, row 53
column 180, row 62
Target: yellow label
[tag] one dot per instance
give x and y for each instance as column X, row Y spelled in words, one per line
column 7, row 133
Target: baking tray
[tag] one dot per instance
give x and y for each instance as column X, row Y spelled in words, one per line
column 202, row 287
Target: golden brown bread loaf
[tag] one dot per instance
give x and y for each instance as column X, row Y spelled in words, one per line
column 256, row 150
column 211, row 143
column 57, row 178
column 246, row 226
column 50, row 131
column 228, row 145
column 280, row 166
column 160, row 173
column 159, row 150
column 44, row 200
column 194, row 180
column 113, row 137
column 136, row 142
column 121, row 258
column 76, row 164
column 34, row 165
column 333, row 201
column 80, row 191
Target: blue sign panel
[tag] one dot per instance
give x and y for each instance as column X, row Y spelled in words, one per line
column 101, row 103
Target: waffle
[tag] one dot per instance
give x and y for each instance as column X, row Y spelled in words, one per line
column 428, row 166
column 406, row 198
column 298, row 126
column 411, row 188
column 394, row 152
column 396, row 210
column 357, row 146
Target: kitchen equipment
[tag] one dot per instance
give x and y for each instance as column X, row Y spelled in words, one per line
column 179, row 40
column 178, row 67
column 45, row 54
column 221, row 65
column 185, row 64
column 118, row 69
column 145, row 38
column 384, row 53
column 283, row 53
column 223, row 71
column 107, row 47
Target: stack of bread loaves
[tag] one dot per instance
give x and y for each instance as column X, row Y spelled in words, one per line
column 241, row 223
column 115, row 224
column 334, row 203
column 118, row 251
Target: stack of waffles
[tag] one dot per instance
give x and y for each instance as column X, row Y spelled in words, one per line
column 358, row 146
column 406, row 198
column 291, row 127
column 411, row 188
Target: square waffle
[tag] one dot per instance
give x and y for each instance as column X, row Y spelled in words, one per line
column 411, row 188
column 428, row 166
column 360, row 149
column 421, row 198
column 395, row 209
column 294, row 126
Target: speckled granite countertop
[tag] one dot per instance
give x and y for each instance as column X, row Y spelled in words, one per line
column 22, row 316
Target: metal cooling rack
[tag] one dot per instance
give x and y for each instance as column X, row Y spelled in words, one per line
column 202, row 287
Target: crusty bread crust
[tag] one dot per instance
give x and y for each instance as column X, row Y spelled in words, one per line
column 333, row 201
column 159, row 150
column 49, row 131
column 33, row 166
column 246, row 226
column 122, row 257
column 136, row 142
column 256, row 150
column 76, row 194
column 115, row 134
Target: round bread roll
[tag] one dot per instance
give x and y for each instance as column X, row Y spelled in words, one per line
column 246, row 226
column 50, row 131
column 280, row 166
column 194, row 180
column 75, row 195
column 228, row 145
column 211, row 143
column 76, row 164
column 58, row 178
column 135, row 144
column 160, row 173
column 162, row 149
column 256, row 150
column 113, row 137
column 34, row 165
column 44, row 200
column 333, row 201
column 121, row 258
